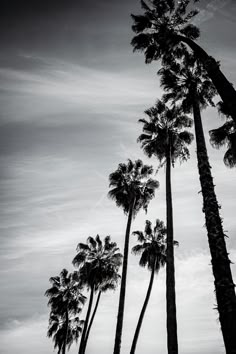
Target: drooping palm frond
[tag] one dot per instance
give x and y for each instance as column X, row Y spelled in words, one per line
column 225, row 136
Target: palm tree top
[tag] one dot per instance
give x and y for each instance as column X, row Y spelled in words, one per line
column 185, row 79
column 65, row 293
column 152, row 245
column 132, row 186
column 164, row 126
column 158, row 27
column 98, row 262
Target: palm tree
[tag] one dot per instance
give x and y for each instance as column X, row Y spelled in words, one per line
column 65, row 300
column 131, row 189
column 58, row 330
column 165, row 26
column 187, row 82
column 98, row 265
column 225, row 136
column 152, row 247
column 164, row 137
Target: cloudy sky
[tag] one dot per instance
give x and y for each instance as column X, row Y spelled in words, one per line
column 71, row 94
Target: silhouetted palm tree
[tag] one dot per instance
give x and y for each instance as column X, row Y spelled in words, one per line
column 98, row 265
column 164, row 27
column 225, row 136
column 132, row 189
column 188, row 82
column 152, row 247
column 65, row 300
column 58, row 330
column 164, row 137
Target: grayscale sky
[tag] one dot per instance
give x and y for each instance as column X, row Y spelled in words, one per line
column 71, row 94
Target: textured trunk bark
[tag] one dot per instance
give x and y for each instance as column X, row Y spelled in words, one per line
column 222, row 85
column 81, row 347
column 224, row 286
column 172, row 339
column 120, row 316
column 66, row 334
column 91, row 321
column 136, row 335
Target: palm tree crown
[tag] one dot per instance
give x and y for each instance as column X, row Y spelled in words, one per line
column 186, row 80
column 131, row 183
column 157, row 29
column 164, row 126
column 65, row 300
column 152, row 245
column 98, row 262
column 65, row 294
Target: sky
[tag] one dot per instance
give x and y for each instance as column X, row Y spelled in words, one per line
column 71, row 93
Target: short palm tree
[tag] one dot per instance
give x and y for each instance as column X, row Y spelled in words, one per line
column 131, row 189
column 188, row 83
column 225, row 136
column 165, row 137
column 152, row 247
column 57, row 330
column 98, row 265
column 65, row 300
column 164, row 27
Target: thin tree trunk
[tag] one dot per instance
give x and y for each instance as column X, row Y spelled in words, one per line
column 136, row 335
column 120, row 316
column 222, row 85
column 81, row 347
column 66, row 333
column 172, row 338
column 224, row 286
column 91, row 321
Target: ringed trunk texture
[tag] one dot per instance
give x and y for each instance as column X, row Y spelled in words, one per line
column 120, row 316
column 172, row 338
column 91, row 321
column 81, row 347
column 221, row 83
column 66, row 334
column 224, row 286
column 136, row 335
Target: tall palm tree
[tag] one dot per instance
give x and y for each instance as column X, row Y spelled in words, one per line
column 188, row 83
column 164, row 137
column 131, row 189
column 152, row 247
column 225, row 136
column 65, row 300
column 164, row 27
column 58, row 330
column 98, row 265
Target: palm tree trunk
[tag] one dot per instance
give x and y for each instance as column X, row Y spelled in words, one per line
column 91, row 321
column 120, row 316
column 136, row 335
column 222, row 85
column 81, row 347
column 172, row 339
column 224, row 286
column 66, row 333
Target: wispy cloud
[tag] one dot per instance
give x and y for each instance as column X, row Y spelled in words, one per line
column 62, row 86
column 209, row 10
